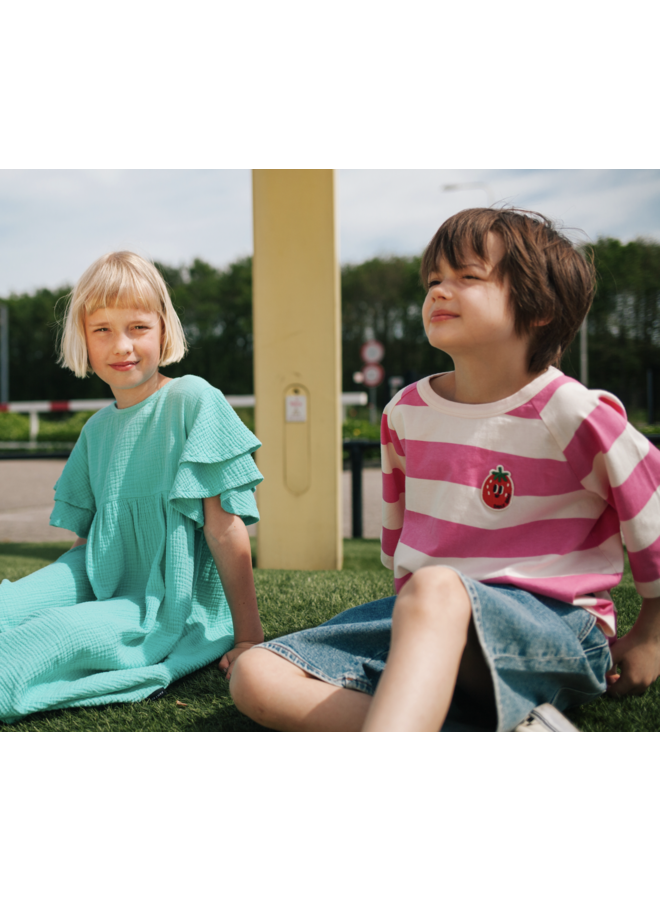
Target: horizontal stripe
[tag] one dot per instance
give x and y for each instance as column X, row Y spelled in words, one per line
column 472, row 465
column 570, row 405
column 394, row 484
column 533, row 408
column 566, row 587
column 612, row 469
column 392, row 516
column 639, row 494
column 462, row 504
column 644, row 563
column 595, row 435
column 555, row 536
column 410, row 397
column 390, row 461
column 641, row 534
column 595, row 572
column 387, row 561
column 389, row 538
column 500, row 434
column 649, row 590
column 388, row 435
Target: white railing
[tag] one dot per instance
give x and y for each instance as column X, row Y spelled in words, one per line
column 34, row 407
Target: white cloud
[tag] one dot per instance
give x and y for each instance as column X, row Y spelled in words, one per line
column 54, row 223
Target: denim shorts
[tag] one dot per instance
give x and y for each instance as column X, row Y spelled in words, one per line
column 538, row 650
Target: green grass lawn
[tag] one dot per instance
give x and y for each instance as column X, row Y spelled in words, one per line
column 289, row 601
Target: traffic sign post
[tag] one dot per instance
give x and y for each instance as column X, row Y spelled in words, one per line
column 372, row 373
column 372, row 351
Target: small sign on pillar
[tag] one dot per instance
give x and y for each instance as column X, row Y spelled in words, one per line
column 297, row 451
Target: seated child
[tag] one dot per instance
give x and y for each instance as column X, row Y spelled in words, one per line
column 159, row 489
column 506, row 487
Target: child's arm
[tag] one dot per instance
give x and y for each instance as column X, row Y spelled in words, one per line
column 228, row 541
column 637, row 653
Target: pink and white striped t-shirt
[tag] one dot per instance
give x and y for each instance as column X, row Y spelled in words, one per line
column 535, row 490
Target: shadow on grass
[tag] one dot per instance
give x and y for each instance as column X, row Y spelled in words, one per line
column 48, row 552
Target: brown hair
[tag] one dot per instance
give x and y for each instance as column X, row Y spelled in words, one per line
column 550, row 280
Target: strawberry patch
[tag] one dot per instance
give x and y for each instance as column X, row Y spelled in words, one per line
column 497, row 489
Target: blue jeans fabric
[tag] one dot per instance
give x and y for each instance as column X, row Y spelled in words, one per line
column 538, row 650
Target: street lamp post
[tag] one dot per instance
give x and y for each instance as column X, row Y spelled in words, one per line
column 4, row 353
column 472, row 186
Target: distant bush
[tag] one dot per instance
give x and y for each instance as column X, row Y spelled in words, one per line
column 14, row 427
column 63, row 429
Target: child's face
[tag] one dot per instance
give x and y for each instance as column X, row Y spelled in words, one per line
column 467, row 311
column 124, row 346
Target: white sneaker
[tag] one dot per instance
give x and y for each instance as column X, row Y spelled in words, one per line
column 546, row 718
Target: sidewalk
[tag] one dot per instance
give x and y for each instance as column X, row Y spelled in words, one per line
column 26, row 501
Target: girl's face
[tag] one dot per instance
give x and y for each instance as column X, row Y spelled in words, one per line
column 124, row 347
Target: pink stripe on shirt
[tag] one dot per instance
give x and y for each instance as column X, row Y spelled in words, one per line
column 438, row 538
column 641, row 562
column 636, row 491
column 470, row 466
column 532, row 409
column 389, row 538
column 389, row 436
column 410, row 396
column 595, row 434
column 394, row 485
column 565, row 587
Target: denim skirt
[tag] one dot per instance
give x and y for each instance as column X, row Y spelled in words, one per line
column 538, row 650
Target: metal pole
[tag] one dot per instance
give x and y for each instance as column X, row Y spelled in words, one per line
column 356, row 488
column 4, row 353
column 584, row 359
column 650, row 400
column 373, row 418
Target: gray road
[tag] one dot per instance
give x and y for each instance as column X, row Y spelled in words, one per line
column 26, row 501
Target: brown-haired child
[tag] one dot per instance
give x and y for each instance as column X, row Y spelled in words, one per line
column 506, row 488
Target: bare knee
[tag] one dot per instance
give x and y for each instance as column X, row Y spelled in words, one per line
column 434, row 592
column 248, row 678
column 259, row 680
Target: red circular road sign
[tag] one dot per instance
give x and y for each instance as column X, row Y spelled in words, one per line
column 373, row 374
column 372, row 351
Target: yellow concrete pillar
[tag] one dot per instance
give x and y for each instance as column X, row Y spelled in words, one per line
column 297, row 369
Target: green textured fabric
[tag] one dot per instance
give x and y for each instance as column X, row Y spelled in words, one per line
column 141, row 604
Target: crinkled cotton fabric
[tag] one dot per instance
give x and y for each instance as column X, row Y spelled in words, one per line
column 141, row 603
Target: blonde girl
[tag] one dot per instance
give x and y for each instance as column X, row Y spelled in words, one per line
column 159, row 489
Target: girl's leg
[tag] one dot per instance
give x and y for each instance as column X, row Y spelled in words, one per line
column 277, row 694
column 433, row 647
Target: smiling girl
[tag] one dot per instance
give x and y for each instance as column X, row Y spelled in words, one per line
column 159, row 489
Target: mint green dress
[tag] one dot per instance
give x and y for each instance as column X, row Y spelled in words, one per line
column 141, row 604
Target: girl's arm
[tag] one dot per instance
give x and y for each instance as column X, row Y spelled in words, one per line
column 228, row 541
column 78, row 542
column 637, row 653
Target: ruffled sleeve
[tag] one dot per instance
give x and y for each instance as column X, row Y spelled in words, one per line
column 75, row 506
column 216, row 460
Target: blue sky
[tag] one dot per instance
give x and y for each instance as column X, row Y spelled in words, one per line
column 54, row 223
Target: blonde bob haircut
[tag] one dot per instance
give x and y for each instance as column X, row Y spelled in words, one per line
column 120, row 280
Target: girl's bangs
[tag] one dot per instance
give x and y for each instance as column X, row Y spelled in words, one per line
column 124, row 297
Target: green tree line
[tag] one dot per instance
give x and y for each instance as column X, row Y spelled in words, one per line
column 381, row 298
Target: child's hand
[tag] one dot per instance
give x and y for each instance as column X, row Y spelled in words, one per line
column 226, row 664
column 637, row 654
